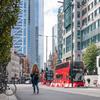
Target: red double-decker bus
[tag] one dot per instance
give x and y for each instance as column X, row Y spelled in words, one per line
column 67, row 74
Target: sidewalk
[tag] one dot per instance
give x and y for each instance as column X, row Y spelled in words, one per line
column 4, row 97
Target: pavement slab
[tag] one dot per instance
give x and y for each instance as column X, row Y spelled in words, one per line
column 4, row 97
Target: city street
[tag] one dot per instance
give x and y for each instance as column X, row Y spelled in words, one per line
column 25, row 92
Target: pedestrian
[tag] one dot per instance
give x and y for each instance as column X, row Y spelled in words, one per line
column 35, row 78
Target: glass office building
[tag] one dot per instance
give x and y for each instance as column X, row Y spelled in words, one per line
column 26, row 39
column 20, row 31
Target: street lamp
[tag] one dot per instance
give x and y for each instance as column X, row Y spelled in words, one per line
column 60, row 2
column 46, row 47
column 46, row 50
column 72, row 42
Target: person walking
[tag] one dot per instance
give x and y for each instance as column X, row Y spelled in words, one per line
column 35, row 78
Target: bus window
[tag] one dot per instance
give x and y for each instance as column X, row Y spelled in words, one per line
column 77, row 64
column 78, row 75
column 59, row 76
column 49, row 75
column 62, row 65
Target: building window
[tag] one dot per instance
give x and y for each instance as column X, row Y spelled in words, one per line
column 93, row 39
column 92, row 5
column 88, row 7
column 84, row 2
column 89, row 18
column 68, row 43
column 92, row 15
column 78, row 23
column 84, row 11
column 99, row 37
column 95, row 12
column 78, row 45
column 95, row 2
column 78, row 14
column 78, row 4
column 84, row 21
column 99, row 23
column 94, row 25
column 99, row 10
column 78, row 34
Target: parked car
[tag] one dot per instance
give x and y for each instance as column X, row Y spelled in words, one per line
column 27, row 81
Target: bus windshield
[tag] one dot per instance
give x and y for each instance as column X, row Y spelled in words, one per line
column 78, row 74
column 49, row 75
column 59, row 76
column 78, row 71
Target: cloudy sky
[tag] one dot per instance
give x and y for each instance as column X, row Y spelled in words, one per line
column 50, row 19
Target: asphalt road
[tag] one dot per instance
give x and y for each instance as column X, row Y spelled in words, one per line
column 25, row 92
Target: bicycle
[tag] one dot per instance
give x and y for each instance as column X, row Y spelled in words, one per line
column 6, row 87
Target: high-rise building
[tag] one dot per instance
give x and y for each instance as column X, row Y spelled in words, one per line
column 41, row 32
column 20, row 31
column 72, row 24
column 36, row 32
column 26, row 34
column 90, row 30
column 60, row 31
column 54, row 38
column 82, row 25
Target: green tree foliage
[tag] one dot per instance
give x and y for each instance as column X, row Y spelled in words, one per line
column 5, row 45
column 89, row 57
column 9, row 10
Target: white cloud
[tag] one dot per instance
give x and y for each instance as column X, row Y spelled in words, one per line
column 50, row 14
column 50, row 19
column 50, row 4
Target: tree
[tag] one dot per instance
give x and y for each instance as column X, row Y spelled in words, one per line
column 89, row 57
column 9, row 10
column 5, row 45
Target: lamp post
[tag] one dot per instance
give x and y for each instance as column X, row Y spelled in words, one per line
column 72, row 43
column 46, row 50
column 60, row 2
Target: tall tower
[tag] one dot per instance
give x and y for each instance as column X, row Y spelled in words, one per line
column 26, row 39
column 20, row 31
column 54, row 38
column 41, row 32
column 36, row 29
column 60, row 25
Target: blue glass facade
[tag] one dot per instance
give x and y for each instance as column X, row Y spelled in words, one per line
column 68, row 43
column 26, row 33
column 36, row 28
column 20, row 31
column 60, row 31
column 67, row 14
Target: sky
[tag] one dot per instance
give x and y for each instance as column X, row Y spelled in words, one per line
column 50, row 19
